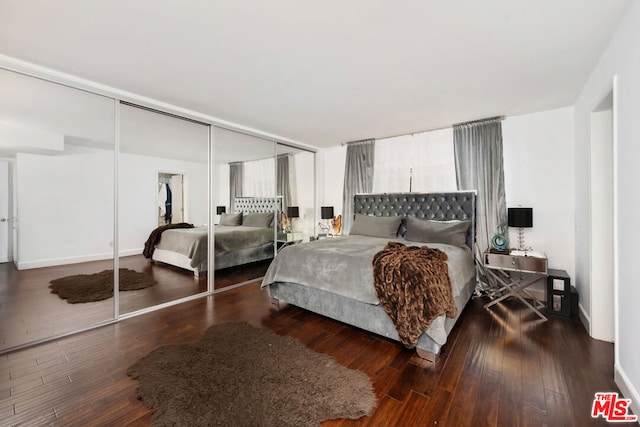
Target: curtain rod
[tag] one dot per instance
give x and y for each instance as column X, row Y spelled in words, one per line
column 473, row 122
column 500, row 118
column 360, row 140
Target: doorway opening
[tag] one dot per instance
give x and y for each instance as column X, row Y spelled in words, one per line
column 602, row 214
column 171, row 194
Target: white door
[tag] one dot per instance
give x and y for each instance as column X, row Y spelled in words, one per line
column 5, row 218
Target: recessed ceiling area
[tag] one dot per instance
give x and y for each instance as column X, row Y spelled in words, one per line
column 328, row 72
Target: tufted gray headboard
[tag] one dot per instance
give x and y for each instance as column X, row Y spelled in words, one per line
column 455, row 205
column 257, row 204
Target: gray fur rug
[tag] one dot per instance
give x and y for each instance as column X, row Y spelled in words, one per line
column 245, row 376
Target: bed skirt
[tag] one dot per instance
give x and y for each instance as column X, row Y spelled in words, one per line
column 222, row 260
column 369, row 317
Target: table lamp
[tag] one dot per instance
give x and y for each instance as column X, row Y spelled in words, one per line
column 326, row 214
column 292, row 212
column 520, row 218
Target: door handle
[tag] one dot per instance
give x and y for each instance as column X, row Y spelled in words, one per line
column 4, row 219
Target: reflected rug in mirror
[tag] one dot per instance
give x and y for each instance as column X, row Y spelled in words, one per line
column 241, row 375
column 99, row 286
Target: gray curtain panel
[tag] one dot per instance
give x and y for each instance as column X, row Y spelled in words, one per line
column 283, row 186
column 236, row 181
column 479, row 166
column 358, row 176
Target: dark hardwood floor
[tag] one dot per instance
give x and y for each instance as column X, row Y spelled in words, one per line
column 30, row 312
column 239, row 274
column 499, row 368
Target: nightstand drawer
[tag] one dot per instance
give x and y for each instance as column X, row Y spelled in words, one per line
column 291, row 236
column 516, row 262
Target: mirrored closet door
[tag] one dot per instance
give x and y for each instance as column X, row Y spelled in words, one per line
column 247, row 209
column 57, row 189
column 163, row 208
column 296, row 185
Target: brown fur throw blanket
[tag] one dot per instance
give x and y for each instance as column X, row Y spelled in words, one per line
column 154, row 237
column 413, row 287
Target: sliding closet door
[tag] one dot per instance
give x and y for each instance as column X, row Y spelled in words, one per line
column 58, row 145
column 296, row 185
column 244, row 178
column 163, row 181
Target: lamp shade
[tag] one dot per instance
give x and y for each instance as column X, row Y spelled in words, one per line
column 520, row 217
column 293, row 212
column 220, row 210
column 326, row 212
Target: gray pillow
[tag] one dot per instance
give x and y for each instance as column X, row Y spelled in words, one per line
column 231, row 218
column 449, row 232
column 376, row 226
column 255, row 219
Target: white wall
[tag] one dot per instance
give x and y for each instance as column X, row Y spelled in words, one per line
column 221, row 193
column 137, row 196
column 14, row 139
column 538, row 161
column 538, row 166
column 65, row 203
column 65, row 207
column 619, row 59
column 305, row 191
column 38, row 105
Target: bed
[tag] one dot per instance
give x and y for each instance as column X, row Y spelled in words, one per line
column 234, row 245
column 318, row 276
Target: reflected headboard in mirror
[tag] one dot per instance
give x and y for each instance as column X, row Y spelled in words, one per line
column 257, row 204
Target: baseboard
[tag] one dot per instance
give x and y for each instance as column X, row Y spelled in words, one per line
column 26, row 265
column 627, row 389
column 584, row 319
column 131, row 252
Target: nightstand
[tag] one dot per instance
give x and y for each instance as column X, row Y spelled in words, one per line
column 560, row 298
column 288, row 238
column 515, row 272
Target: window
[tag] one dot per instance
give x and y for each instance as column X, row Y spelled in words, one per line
column 260, row 178
column 417, row 162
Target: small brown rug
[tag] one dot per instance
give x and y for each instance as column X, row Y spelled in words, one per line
column 98, row 286
column 239, row 375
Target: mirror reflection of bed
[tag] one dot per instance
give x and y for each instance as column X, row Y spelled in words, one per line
column 163, row 178
column 241, row 169
column 65, row 168
column 243, row 240
column 250, row 167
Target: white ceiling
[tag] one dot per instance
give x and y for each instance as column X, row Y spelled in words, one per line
column 324, row 72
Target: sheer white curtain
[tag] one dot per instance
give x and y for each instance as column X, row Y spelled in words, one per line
column 418, row 162
column 392, row 164
column 433, row 160
column 259, row 178
column 236, row 180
